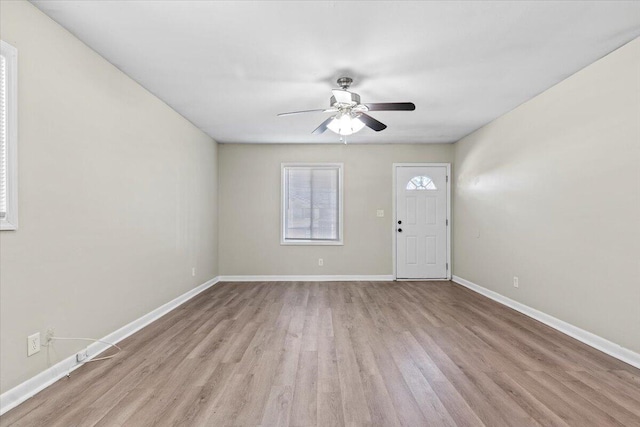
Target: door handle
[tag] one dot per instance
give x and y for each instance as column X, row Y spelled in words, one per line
column 399, row 230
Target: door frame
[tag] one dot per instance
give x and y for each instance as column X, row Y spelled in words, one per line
column 394, row 168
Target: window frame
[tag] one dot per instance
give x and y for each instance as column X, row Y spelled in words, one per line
column 10, row 221
column 283, row 207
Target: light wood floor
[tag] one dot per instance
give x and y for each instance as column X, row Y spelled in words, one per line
column 343, row 354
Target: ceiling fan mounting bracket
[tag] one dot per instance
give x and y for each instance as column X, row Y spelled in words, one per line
column 345, row 82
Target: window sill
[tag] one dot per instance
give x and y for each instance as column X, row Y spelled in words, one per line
column 311, row 243
column 7, row 226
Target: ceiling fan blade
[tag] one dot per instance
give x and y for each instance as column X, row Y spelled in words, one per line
column 326, row 110
column 323, row 127
column 300, row 112
column 391, row 106
column 372, row 123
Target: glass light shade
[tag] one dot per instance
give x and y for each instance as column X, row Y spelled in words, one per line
column 345, row 125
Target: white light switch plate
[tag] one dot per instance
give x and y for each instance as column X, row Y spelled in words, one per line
column 380, row 213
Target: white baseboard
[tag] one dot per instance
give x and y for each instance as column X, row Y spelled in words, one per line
column 12, row 398
column 593, row 340
column 323, row 278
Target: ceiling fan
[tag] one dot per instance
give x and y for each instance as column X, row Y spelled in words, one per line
column 351, row 115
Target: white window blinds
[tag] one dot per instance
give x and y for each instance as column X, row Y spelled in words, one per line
column 311, row 205
column 8, row 137
column 3, row 136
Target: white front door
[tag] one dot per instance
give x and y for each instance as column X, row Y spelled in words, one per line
column 421, row 222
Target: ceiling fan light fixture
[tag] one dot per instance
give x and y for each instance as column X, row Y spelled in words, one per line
column 345, row 125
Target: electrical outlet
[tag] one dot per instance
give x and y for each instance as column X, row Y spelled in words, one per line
column 82, row 355
column 515, row 282
column 380, row 213
column 193, row 271
column 320, row 262
column 33, row 344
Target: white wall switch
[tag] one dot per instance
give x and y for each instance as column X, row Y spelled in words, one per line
column 515, row 282
column 380, row 213
column 33, row 344
column 193, row 271
column 320, row 262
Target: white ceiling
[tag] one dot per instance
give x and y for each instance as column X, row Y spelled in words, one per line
column 230, row 67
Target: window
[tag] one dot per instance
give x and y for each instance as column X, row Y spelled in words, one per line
column 8, row 137
column 311, row 204
column 421, row 183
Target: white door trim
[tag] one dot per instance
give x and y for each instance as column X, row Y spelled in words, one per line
column 394, row 166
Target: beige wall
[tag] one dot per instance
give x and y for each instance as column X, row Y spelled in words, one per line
column 550, row 193
column 117, row 198
column 250, row 207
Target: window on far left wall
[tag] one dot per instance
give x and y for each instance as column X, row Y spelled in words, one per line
column 8, row 137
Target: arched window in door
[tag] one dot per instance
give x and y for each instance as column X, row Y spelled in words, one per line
column 421, row 183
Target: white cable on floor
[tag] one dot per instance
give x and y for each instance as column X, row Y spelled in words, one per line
column 90, row 339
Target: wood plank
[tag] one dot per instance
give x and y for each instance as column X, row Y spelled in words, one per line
column 304, row 411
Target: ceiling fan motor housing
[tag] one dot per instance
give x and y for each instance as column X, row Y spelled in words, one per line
column 343, row 98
